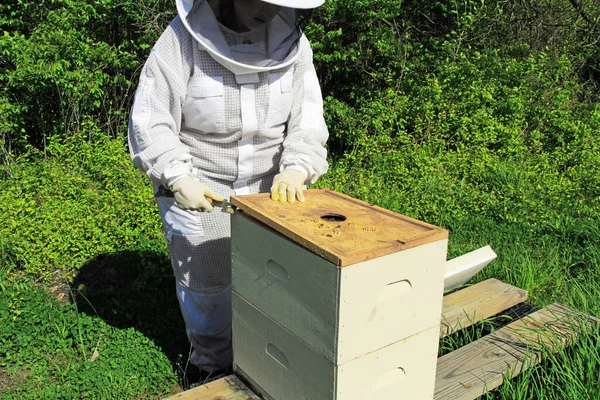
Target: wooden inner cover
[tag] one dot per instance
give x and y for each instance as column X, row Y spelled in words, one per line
column 339, row 228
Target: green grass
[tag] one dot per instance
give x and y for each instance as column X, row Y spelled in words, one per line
column 571, row 373
column 53, row 351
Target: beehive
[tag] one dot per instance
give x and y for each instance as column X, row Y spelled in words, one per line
column 335, row 298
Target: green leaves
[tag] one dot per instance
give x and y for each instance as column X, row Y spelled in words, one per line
column 440, row 118
column 85, row 203
column 87, row 199
column 41, row 347
column 67, row 61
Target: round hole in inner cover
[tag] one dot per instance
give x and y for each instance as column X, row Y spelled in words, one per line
column 333, row 217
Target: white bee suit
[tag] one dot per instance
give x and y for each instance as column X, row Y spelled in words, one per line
column 231, row 110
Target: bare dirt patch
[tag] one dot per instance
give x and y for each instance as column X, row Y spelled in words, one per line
column 59, row 288
column 9, row 381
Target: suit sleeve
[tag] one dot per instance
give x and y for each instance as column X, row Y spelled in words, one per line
column 304, row 145
column 155, row 118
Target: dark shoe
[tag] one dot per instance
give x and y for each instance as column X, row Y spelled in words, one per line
column 195, row 377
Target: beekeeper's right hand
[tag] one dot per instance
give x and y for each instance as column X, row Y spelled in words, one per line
column 193, row 195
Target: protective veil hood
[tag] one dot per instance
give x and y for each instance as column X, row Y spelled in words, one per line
column 285, row 41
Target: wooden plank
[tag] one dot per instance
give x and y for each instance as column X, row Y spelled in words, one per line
column 480, row 366
column 228, row 388
column 468, row 306
column 339, row 228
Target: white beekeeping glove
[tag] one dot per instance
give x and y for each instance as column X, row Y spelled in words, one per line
column 287, row 186
column 193, row 195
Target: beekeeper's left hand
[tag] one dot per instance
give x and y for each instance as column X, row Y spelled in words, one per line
column 287, row 186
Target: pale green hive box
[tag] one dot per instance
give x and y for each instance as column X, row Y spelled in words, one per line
column 335, row 298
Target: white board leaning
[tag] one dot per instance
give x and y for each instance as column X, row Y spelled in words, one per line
column 460, row 269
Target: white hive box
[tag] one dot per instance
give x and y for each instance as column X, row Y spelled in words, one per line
column 332, row 289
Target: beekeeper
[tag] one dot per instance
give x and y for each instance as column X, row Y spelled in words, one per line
column 228, row 103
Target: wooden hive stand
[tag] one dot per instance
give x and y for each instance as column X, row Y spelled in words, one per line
column 478, row 367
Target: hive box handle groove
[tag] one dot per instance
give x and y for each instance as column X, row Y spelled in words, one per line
column 277, row 355
column 277, row 270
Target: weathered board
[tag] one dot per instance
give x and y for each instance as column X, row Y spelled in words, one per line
column 339, row 228
column 228, row 388
column 475, row 303
column 480, row 366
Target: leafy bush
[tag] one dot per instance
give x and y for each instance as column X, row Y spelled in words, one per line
column 67, row 61
column 494, row 131
column 453, row 124
column 399, row 59
column 86, row 199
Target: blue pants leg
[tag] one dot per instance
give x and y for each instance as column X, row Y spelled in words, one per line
column 208, row 325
